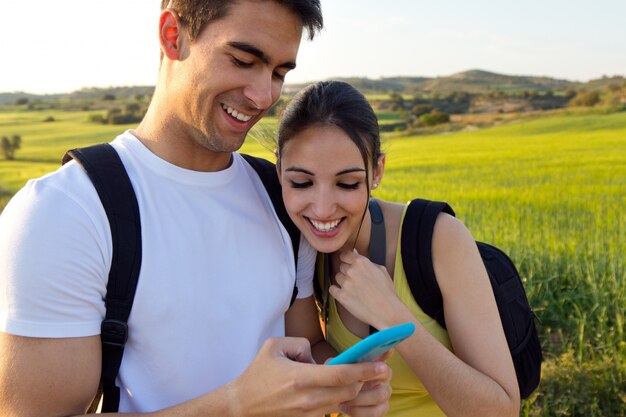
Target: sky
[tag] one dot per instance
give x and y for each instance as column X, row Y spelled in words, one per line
column 58, row 47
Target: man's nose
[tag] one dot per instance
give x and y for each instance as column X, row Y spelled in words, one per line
column 261, row 90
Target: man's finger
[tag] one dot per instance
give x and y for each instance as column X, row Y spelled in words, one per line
column 338, row 375
column 372, row 411
column 295, row 348
column 372, row 394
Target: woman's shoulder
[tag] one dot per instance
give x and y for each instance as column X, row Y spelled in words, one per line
column 391, row 208
column 449, row 227
column 454, row 251
column 452, row 237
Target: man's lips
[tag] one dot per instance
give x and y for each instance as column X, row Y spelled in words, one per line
column 236, row 114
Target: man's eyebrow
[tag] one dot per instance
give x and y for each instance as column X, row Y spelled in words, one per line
column 253, row 50
column 306, row 171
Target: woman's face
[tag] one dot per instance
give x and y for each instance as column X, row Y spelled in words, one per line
column 324, row 186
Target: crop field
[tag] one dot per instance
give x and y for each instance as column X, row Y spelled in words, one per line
column 550, row 191
column 44, row 143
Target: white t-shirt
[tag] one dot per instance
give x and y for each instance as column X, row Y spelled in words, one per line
column 217, row 271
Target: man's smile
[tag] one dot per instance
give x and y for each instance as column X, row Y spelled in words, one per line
column 236, row 114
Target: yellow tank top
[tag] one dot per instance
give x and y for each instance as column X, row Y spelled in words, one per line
column 409, row 398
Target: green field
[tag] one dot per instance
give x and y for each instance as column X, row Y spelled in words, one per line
column 549, row 191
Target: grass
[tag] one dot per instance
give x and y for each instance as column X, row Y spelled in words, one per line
column 550, row 191
column 388, row 117
column 44, row 143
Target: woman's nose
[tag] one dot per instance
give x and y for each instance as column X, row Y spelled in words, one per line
column 325, row 204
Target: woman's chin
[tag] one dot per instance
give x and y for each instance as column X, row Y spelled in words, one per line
column 327, row 246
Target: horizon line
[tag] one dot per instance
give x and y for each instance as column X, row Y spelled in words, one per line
column 380, row 78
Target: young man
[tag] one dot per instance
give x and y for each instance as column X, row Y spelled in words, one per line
column 217, row 270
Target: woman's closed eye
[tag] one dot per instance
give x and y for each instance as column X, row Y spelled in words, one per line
column 349, row 186
column 305, row 184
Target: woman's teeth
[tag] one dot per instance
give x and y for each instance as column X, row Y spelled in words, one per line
column 239, row 116
column 325, row 226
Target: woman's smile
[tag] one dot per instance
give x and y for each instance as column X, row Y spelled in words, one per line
column 324, row 186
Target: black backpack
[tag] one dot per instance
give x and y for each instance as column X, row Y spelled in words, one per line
column 516, row 314
column 110, row 179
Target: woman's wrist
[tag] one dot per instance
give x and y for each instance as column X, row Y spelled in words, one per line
column 392, row 314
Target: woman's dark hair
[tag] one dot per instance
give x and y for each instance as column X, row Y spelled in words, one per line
column 195, row 14
column 333, row 103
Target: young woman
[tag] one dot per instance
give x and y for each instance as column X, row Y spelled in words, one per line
column 328, row 160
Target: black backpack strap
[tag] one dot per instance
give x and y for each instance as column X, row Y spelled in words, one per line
column 515, row 313
column 378, row 236
column 378, row 239
column 109, row 177
column 416, row 242
column 267, row 173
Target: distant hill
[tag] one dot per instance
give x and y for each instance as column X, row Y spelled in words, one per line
column 84, row 93
column 604, row 83
column 126, row 92
column 14, row 96
column 474, row 81
column 483, row 82
column 368, row 85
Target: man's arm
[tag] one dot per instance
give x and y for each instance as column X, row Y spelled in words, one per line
column 59, row 377
column 48, row 377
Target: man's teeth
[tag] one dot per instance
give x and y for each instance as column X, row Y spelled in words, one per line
column 239, row 116
column 325, row 227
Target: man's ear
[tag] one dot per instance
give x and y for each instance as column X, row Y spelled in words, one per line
column 170, row 34
column 379, row 169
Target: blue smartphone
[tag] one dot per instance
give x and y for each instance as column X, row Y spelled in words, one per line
column 374, row 345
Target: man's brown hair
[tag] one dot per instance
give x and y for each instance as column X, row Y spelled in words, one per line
column 195, row 14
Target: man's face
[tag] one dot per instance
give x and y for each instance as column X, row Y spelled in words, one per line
column 234, row 72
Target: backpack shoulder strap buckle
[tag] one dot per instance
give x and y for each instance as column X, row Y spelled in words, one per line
column 114, row 333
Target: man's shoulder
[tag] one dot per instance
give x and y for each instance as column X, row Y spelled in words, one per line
column 68, row 179
column 65, row 192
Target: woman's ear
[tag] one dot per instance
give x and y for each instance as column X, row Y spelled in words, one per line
column 170, row 34
column 277, row 156
column 379, row 169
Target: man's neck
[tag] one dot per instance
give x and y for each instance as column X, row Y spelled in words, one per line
column 167, row 138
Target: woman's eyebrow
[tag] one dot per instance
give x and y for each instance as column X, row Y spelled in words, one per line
column 298, row 169
column 350, row 170
column 342, row 172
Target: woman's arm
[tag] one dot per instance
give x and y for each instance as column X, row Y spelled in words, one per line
column 302, row 320
column 478, row 379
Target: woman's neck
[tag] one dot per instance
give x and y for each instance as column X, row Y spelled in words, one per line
column 362, row 238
